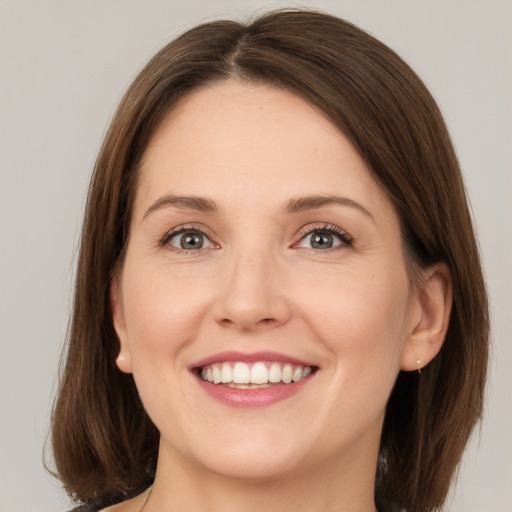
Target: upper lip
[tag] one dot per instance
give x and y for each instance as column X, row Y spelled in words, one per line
column 252, row 357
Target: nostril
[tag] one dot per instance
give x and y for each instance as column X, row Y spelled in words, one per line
column 264, row 321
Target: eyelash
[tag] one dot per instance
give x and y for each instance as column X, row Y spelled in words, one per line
column 189, row 228
column 346, row 239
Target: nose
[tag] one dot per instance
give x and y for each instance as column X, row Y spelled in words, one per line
column 252, row 296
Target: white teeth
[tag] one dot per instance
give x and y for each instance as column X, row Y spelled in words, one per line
column 216, row 375
column 247, row 386
column 287, row 373
column 297, row 374
column 274, row 373
column 259, row 374
column 241, row 373
column 226, row 373
column 244, row 376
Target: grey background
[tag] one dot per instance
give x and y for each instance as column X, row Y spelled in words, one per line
column 63, row 68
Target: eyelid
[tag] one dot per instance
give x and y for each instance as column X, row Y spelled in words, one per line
column 346, row 239
column 186, row 228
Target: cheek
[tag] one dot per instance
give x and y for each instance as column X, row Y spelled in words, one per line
column 163, row 311
column 362, row 318
column 162, row 318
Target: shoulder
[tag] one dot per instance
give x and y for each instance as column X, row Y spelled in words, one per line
column 92, row 508
column 88, row 508
column 126, row 506
column 100, row 506
column 111, row 504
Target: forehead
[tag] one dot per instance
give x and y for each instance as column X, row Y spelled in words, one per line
column 254, row 142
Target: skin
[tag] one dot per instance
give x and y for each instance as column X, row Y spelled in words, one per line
column 258, row 285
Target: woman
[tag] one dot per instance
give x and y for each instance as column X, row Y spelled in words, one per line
column 279, row 299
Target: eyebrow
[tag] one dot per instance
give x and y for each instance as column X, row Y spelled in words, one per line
column 298, row 205
column 307, row 203
column 196, row 203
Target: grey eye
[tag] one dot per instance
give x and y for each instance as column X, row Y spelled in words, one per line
column 319, row 240
column 189, row 241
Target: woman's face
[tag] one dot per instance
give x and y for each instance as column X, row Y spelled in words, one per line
column 261, row 251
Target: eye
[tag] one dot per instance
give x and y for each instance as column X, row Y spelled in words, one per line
column 319, row 240
column 325, row 238
column 189, row 240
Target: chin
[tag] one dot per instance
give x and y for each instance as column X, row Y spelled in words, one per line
column 252, row 458
column 254, row 468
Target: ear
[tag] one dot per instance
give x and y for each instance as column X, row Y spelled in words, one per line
column 123, row 360
column 430, row 315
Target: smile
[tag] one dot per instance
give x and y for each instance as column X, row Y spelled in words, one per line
column 261, row 374
column 252, row 380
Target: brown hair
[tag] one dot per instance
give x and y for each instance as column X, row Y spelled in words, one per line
column 104, row 444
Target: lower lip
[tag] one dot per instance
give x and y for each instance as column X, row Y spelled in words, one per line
column 252, row 398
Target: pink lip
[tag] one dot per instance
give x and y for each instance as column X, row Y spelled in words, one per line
column 253, row 357
column 250, row 398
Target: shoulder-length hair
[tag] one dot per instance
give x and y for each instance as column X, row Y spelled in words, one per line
column 104, row 444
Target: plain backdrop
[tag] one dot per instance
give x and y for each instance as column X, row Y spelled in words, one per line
column 64, row 65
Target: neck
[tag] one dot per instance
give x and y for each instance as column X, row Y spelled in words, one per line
column 335, row 486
